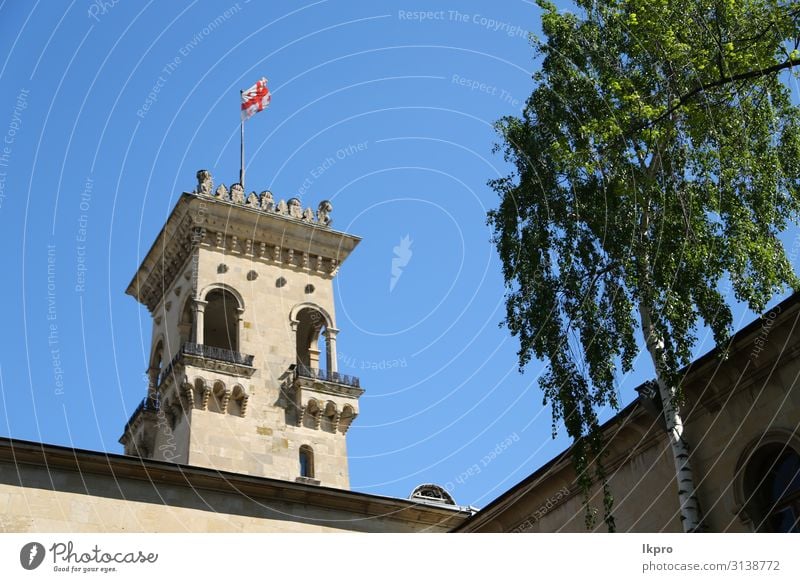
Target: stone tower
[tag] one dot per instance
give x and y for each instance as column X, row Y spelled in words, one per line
column 243, row 373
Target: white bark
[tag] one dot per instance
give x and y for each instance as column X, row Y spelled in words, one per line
column 687, row 494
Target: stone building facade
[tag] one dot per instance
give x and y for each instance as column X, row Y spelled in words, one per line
column 44, row 488
column 742, row 422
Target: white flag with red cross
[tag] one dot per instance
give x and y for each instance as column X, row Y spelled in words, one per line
column 255, row 99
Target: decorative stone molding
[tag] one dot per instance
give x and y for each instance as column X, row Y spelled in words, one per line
column 210, row 218
column 314, row 399
column 182, row 391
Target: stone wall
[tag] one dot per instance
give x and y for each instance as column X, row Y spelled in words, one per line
column 54, row 489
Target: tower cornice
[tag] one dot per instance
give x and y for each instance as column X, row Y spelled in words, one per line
column 281, row 234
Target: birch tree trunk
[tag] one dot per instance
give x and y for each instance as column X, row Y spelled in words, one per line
column 687, row 494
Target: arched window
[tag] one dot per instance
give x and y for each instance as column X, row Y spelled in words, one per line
column 309, row 328
column 156, row 366
column 221, row 321
column 158, row 356
column 306, row 462
column 772, row 487
column 311, row 339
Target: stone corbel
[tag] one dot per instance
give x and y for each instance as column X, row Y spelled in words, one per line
column 336, row 418
column 226, row 397
column 188, row 393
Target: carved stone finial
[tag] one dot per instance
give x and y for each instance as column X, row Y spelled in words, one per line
column 324, row 213
column 295, row 208
column 204, row 183
column 308, row 215
column 237, row 194
column 222, row 192
column 252, row 200
column 282, row 208
column 267, row 202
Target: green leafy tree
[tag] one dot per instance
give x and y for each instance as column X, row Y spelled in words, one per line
column 656, row 162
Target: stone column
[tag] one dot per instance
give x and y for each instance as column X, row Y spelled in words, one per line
column 239, row 327
column 330, row 348
column 199, row 320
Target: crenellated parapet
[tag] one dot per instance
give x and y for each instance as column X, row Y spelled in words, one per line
column 265, row 202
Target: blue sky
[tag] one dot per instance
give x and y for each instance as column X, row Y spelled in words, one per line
column 111, row 108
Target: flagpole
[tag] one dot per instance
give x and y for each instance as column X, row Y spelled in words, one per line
column 241, row 152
